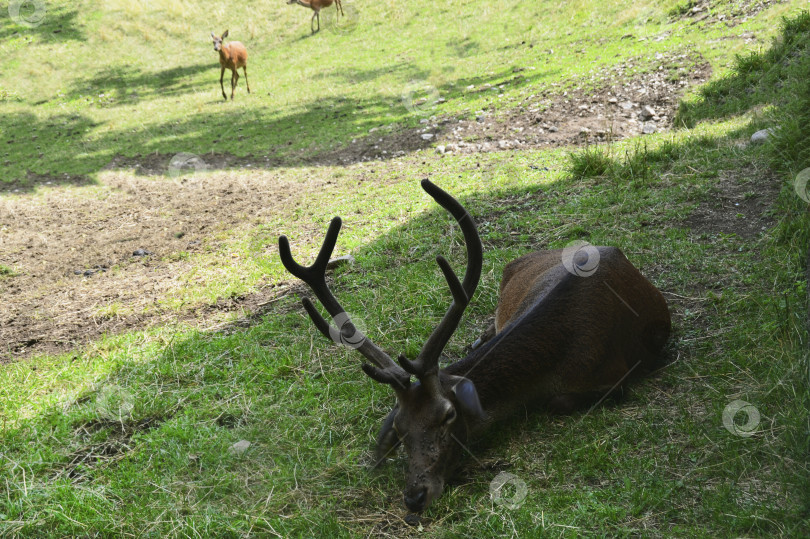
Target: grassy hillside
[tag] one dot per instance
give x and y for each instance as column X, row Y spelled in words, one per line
column 126, row 381
column 95, row 80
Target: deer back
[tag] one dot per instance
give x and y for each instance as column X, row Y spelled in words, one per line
column 564, row 339
column 233, row 55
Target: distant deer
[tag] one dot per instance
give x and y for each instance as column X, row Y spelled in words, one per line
column 568, row 332
column 232, row 56
column 316, row 6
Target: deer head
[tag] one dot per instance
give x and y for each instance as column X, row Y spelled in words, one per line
column 433, row 412
column 218, row 40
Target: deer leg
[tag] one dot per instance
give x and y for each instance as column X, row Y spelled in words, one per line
column 340, row 6
column 234, row 80
column 221, row 85
column 246, row 80
column 317, row 15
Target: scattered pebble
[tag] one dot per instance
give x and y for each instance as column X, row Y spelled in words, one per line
column 339, row 261
column 239, row 447
column 761, row 136
column 141, row 252
column 427, row 136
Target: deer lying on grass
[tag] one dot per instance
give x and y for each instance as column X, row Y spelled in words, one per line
column 232, row 56
column 316, row 6
column 568, row 332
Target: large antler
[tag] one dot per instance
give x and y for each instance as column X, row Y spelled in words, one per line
column 387, row 370
column 427, row 361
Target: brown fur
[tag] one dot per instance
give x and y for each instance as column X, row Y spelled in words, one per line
column 232, row 55
column 562, row 342
column 317, row 6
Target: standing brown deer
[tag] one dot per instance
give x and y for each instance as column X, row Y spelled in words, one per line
column 316, row 6
column 569, row 331
column 232, row 55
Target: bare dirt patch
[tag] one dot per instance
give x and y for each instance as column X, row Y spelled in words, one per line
column 739, row 205
column 75, row 274
column 714, row 11
column 607, row 106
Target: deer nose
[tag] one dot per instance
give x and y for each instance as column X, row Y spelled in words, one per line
column 416, row 503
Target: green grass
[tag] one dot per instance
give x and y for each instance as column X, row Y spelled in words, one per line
column 6, row 271
column 130, row 435
column 127, row 78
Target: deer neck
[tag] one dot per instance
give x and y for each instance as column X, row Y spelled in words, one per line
column 513, row 370
column 225, row 52
column 302, row 3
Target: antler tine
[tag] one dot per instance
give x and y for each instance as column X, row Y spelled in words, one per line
column 315, row 277
column 428, row 358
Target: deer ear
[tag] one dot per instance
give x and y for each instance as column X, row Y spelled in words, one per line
column 467, row 397
column 212, row 34
column 224, row 34
column 387, row 439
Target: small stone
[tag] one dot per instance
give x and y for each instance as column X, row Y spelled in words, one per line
column 553, row 129
column 141, row 252
column 440, row 149
column 761, row 136
column 412, row 520
column 648, row 128
column 647, row 112
column 613, row 100
column 426, row 136
column 239, row 447
column 503, row 144
column 584, row 131
column 423, row 121
column 339, row 261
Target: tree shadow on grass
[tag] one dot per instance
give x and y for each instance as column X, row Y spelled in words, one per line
column 54, row 24
column 332, row 131
column 41, row 151
column 125, row 85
